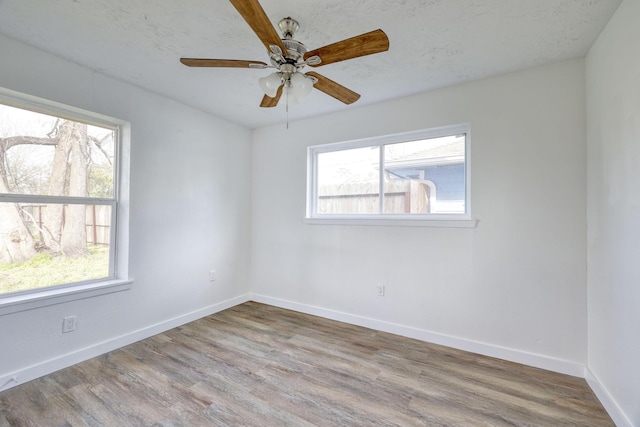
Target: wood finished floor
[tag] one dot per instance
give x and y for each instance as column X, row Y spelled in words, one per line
column 257, row 365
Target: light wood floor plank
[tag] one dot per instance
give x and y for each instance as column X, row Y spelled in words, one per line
column 257, row 365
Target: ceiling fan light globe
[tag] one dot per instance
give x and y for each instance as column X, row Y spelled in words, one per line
column 289, row 95
column 301, row 85
column 270, row 84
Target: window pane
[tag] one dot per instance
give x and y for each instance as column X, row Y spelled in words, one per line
column 348, row 181
column 48, row 155
column 52, row 244
column 425, row 176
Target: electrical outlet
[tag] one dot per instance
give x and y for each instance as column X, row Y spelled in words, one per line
column 380, row 290
column 212, row 275
column 69, row 324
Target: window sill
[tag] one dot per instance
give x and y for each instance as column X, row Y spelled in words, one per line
column 396, row 222
column 28, row 301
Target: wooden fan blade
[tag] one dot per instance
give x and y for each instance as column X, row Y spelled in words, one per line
column 268, row 102
column 233, row 63
column 257, row 19
column 334, row 89
column 362, row 45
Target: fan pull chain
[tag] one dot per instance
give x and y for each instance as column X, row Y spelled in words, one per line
column 287, row 108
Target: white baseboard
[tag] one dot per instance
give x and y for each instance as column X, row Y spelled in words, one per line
column 525, row 358
column 616, row 414
column 29, row 373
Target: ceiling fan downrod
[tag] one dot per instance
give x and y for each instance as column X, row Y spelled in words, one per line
column 288, row 27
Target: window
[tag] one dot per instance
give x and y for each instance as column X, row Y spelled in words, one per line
column 417, row 176
column 60, row 191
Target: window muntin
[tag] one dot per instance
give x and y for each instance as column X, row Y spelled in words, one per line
column 423, row 175
column 58, row 196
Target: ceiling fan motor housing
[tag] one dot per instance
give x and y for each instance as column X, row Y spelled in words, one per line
column 295, row 50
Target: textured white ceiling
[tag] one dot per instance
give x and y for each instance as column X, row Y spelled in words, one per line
column 433, row 43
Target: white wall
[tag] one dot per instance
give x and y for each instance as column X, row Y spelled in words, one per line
column 613, row 131
column 190, row 208
column 514, row 283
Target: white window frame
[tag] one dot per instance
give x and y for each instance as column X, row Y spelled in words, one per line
column 118, row 279
column 461, row 220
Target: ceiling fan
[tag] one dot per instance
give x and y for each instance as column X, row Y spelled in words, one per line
column 289, row 57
